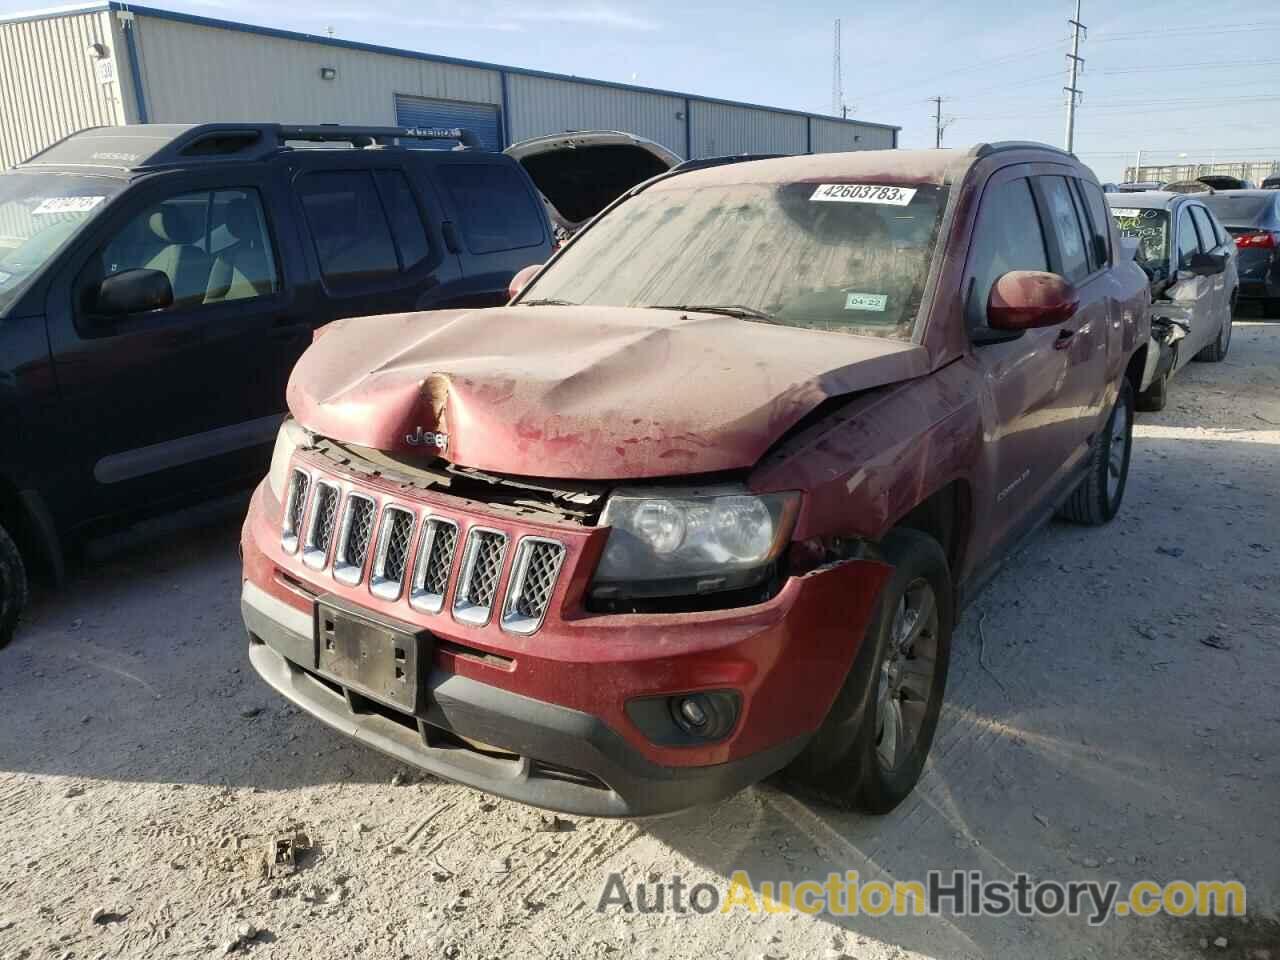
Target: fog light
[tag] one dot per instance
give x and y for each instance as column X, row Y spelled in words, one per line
column 692, row 711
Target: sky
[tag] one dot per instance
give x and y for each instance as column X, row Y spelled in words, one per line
column 1161, row 77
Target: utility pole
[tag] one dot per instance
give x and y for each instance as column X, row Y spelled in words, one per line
column 1073, row 91
column 937, row 121
column 838, row 108
column 1137, row 167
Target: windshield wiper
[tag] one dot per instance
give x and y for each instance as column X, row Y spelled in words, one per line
column 728, row 310
column 547, row 302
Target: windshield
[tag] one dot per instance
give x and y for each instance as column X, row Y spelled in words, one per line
column 1244, row 210
column 38, row 213
column 848, row 258
column 1150, row 227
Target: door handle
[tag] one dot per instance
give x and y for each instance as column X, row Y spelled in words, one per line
column 1064, row 339
column 450, row 236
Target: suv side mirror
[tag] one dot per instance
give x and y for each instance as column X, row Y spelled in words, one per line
column 134, row 291
column 1206, row 264
column 521, row 280
column 1028, row 299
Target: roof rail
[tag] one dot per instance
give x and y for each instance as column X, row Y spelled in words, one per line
column 980, row 150
column 375, row 136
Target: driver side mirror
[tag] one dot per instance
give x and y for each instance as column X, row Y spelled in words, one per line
column 1206, row 264
column 521, row 280
column 1029, row 299
column 134, row 291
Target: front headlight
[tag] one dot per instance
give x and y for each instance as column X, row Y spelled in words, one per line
column 668, row 543
column 292, row 435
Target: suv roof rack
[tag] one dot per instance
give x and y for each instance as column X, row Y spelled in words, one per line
column 980, row 150
column 146, row 146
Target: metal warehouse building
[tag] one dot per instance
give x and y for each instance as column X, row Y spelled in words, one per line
column 114, row 63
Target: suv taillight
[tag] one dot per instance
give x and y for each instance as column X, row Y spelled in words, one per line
column 1264, row 239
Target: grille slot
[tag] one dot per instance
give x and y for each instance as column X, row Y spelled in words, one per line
column 481, row 570
column 435, row 563
column 320, row 527
column 391, row 558
column 295, row 505
column 358, row 521
column 533, row 579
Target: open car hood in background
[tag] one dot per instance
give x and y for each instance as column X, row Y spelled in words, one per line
column 591, row 393
column 581, row 173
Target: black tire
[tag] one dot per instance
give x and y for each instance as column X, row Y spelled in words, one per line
column 1216, row 351
column 842, row 764
column 1095, row 501
column 1156, row 396
column 13, row 587
column 1271, row 308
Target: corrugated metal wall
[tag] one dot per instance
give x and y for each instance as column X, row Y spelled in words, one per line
column 1255, row 170
column 831, row 136
column 48, row 87
column 539, row 105
column 720, row 129
column 271, row 78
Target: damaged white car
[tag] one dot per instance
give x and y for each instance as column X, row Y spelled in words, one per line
column 1191, row 262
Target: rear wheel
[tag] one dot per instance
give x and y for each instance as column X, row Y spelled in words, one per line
column 871, row 749
column 1098, row 497
column 13, row 587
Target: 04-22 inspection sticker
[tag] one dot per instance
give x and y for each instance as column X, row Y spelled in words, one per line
column 862, row 193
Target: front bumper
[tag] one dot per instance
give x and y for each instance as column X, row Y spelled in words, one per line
column 550, row 710
column 562, row 759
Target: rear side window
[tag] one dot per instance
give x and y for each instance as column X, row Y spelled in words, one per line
column 1008, row 236
column 1100, row 221
column 1064, row 221
column 494, row 205
column 406, row 220
column 349, row 227
column 1208, row 235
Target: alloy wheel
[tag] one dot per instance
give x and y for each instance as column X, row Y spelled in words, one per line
column 906, row 675
column 1117, row 448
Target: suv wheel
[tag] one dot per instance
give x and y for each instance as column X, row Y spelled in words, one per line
column 1097, row 498
column 13, row 587
column 870, row 750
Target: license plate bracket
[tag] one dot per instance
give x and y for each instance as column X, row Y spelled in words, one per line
column 376, row 657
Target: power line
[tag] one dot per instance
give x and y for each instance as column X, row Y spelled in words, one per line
column 1207, row 65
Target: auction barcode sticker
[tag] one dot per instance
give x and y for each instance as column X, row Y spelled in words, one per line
column 1124, row 211
column 68, row 204
column 862, row 193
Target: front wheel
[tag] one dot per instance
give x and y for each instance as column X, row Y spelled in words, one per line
column 1156, row 396
column 1097, row 499
column 870, row 751
column 1222, row 343
column 13, row 587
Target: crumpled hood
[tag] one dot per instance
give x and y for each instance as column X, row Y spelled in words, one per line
column 580, row 392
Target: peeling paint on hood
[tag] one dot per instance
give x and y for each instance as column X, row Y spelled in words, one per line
column 607, row 393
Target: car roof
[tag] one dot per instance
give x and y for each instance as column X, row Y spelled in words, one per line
column 937, row 167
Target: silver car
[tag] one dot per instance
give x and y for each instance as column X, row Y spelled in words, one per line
column 1191, row 261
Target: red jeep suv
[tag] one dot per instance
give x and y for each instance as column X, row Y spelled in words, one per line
column 704, row 501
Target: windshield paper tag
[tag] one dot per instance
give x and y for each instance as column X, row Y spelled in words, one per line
column 863, row 193
column 866, row 301
column 68, row 204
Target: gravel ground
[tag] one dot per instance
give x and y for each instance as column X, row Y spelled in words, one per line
column 1113, row 712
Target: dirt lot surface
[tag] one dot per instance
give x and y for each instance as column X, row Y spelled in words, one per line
column 1113, row 713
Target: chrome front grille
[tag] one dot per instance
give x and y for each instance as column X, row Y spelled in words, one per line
column 353, row 541
column 481, row 570
column 350, row 531
column 324, row 519
column 533, row 578
column 435, row 564
column 295, row 505
column 391, row 558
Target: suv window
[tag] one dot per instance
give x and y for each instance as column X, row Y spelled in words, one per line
column 1008, row 236
column 406, row 220
column 212, row 245
column 349, row 227
column 1065, row 223
column 1188, row 243
column 1208, row 235
column 1100, row 222
column 494, row 205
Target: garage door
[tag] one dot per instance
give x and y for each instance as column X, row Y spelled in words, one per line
column 482, row 119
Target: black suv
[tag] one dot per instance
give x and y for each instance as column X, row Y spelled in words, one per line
column 157, row 283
